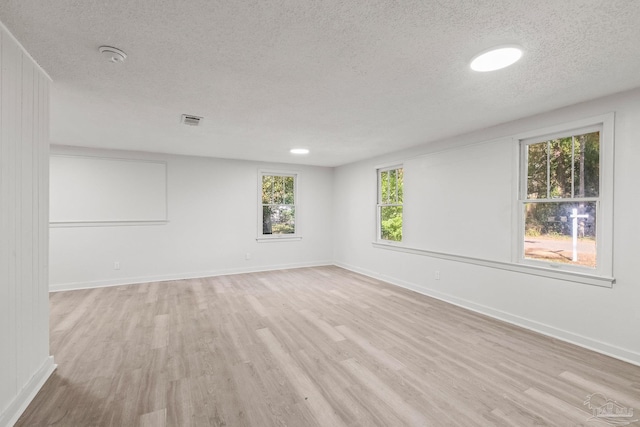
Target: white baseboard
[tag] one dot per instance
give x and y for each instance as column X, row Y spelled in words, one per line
column 551, row 331
column 57, row 287
column 15, row 409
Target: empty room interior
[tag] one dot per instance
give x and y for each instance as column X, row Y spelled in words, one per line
column 202, row 217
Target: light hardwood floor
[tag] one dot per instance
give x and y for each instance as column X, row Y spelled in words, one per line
column 308, row 347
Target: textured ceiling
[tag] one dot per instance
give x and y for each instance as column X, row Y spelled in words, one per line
column 347, row 79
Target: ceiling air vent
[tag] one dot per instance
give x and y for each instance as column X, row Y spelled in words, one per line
column 190, row 120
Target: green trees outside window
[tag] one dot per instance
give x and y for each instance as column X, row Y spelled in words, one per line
column 390, row 197
column 278, row 204
column 562, row 192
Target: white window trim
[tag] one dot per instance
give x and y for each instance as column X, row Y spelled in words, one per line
column 265, row 238
column 378, row 233
column 604, row 231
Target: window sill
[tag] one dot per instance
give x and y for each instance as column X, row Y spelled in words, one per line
column 104, row 223
column 570, row 276
column 278, row 239
column 388, row 243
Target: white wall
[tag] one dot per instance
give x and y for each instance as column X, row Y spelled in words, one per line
column 213, row 220
column 24, row 301
column 99, row 189
column 605, row 319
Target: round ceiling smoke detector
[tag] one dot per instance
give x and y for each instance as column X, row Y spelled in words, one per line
column 113, row 54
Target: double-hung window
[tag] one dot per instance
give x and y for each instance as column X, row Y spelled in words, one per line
column 277, row 213
column 389, row 207
column 565, row 201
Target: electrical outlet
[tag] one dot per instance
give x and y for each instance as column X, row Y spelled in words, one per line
column 116, row 265
column 247, row 256
column 437, row 275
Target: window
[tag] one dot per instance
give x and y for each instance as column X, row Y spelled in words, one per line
column 565, row 191
column 390, row 195
column 277, row 215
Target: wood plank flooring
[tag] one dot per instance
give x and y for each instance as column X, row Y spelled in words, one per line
column 308, row 347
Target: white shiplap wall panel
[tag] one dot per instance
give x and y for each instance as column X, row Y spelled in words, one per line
column 24, row 152
column 25, row 222
column 5, row 387
column 42, row 338
column 7, row 125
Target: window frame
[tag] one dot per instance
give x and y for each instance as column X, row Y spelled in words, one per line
column 604, row 201
column 380, row 205
column 261, row 237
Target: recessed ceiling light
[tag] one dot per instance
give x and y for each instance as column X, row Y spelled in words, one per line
column 299, row 151
column 496, row 58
